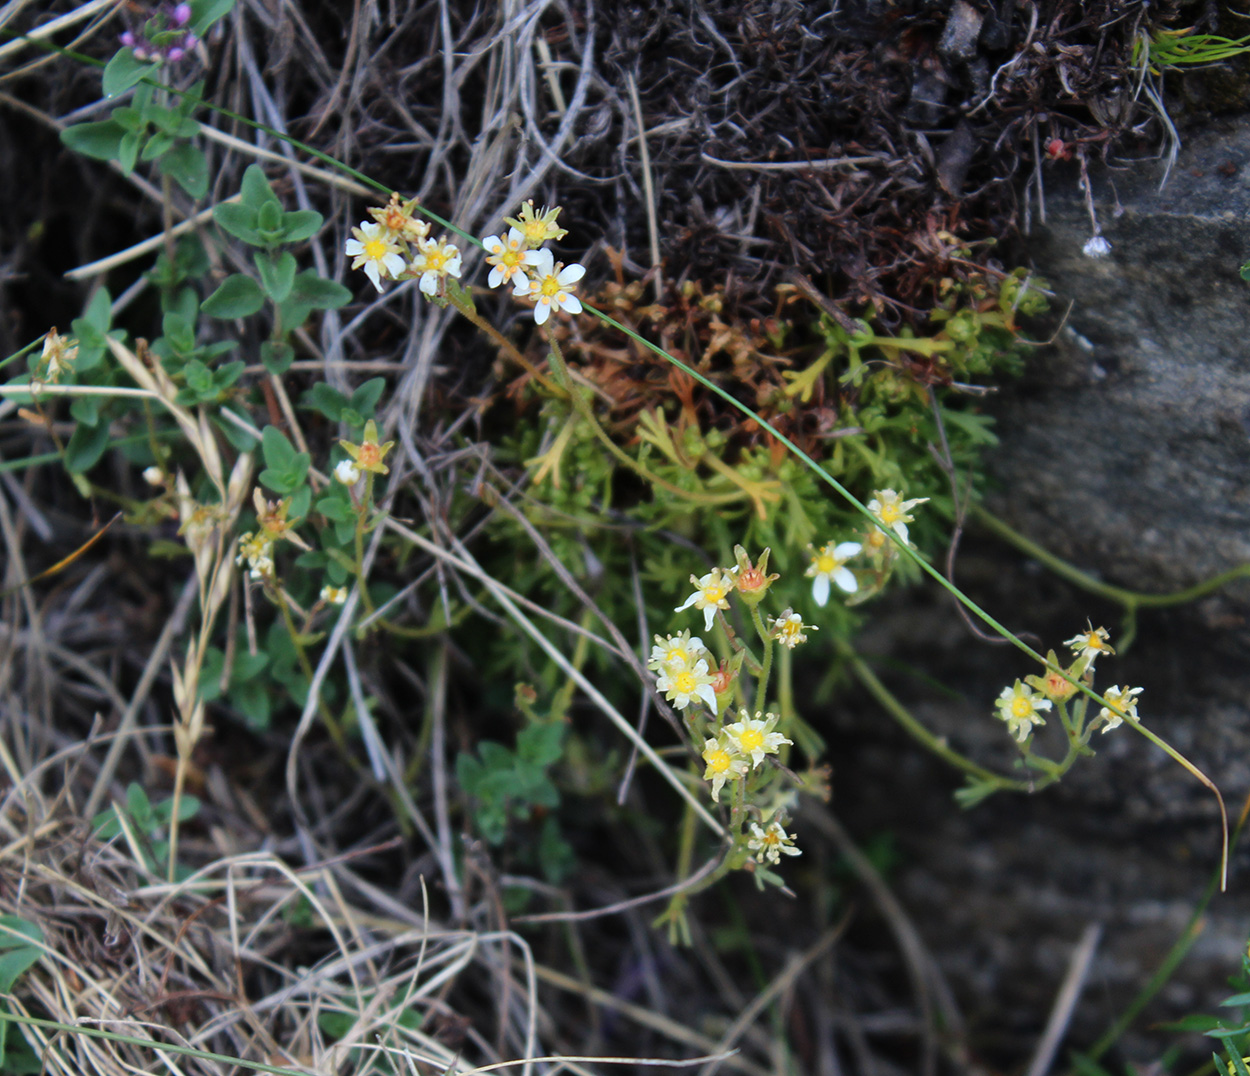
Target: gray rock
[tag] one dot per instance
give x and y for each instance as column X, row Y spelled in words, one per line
column 1127, row 449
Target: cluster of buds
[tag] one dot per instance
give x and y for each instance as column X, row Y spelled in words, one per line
column 165, row 37
column 396, row 245
column 1021, row 705
column 828, row 563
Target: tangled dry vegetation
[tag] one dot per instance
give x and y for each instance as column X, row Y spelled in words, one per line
column 723, row 165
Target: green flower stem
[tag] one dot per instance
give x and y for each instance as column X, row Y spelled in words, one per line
column 362, row 517
column 766, row 666
column 301, row 654
column 915, row 729
column 785, row 687
column 588, row 415
column 1131, row 600
column 505, row 345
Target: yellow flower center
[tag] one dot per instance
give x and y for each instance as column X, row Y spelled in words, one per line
column 550, row 287
column 1021, row 707
column 368, row 456
column 683, row 683
column 751, row 740
column 826, row 563
column 674, row 653
column 719, row 761
column 714, row 595
column 535, row 231
column 789, row 629
column 376, row 249
column 435, row 260
column 890, row 513
column 770, row 837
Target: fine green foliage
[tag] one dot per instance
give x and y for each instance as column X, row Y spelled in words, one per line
column 146, row 825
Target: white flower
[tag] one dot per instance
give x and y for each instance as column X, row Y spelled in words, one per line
column 683, row 684
column 891, row 511
column 828, row 566
column 507, row 257
column 334, row 595
column 675, row 651
column 712, row 593
column 550, row 285
column 435, row 259
column 1096, row 247
column 788, row 629
column 1090, row 643
column 772, row 843
column 377, row 250
column 57, row 358
column 722, row 764
column 347, row 472
column 1018, row 706
column 753, row 737
column 1125, row 701
column 154, row 476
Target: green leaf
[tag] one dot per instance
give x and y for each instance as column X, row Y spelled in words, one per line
column 365, row 398
column 255, row 191
column 239, row 221
column 124, row 71
column 238, row 297
column 301, row 499
column 300, row 224
column 319, row 293
column 277, row 273
column 85, row 447
column 279, row 453
column 327, row 399
column 206, row 12
column 128, row 151
column 158, row 145
column 101, row 141
column 14, row 963
column 188, row 167
column 541, row 744
column 86, row 410
column 276, row 356
column 1236, row 999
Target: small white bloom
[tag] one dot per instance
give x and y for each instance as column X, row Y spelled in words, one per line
column 507, row 257
column 771, row 844
column 683, row 684
column 753, row 737
column 154, row 476
column 550, row 285
column 711, row 593
column 1019, row 707
column 377, row 250
column 828, row 565
column 57, row 358
column 788, row 629
column 1125, row 701
column 347, row 472
column 675, row 651
column 722, row 764
column 1096, row 247
column 1090, row 643
column 891, row 510
column 435, row 259
column 334, row 595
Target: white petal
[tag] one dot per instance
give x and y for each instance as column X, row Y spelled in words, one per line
column 900, row 529
column 393, row 264
column 846, row 580
column 453, row 266
column 495, row 278
column 515, row 237
column 571, row 274
column 429, row 283
column 493, row 244
column 571, row 303
column 820, row 590
column 846, row 550
column 709, row 614
column 542, row 311
column 354, row 247
column 371, row 271
column 543, row 259
column 705, row 692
